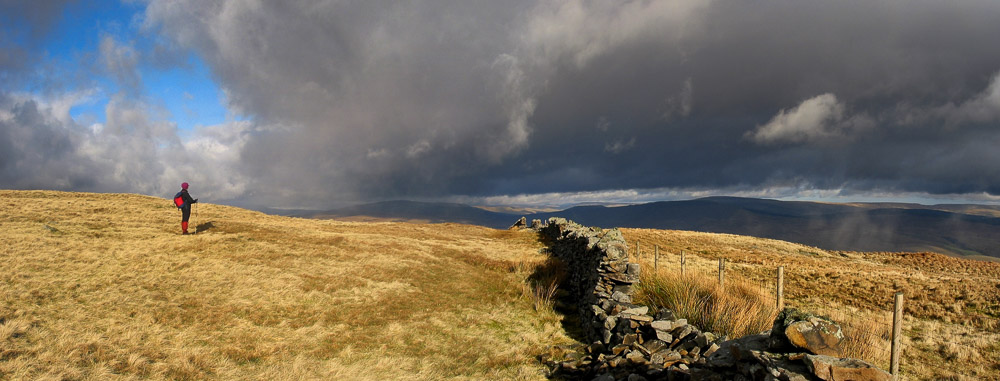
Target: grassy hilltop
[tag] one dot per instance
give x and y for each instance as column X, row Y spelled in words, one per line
column 102, row 286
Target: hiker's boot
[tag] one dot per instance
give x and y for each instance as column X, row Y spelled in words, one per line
column 184, row 227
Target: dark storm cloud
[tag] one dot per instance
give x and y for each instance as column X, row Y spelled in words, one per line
column 371, row 97
column 28, row 138
column 387, row 99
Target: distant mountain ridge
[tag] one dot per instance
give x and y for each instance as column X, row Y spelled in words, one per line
column 422, row 211
column 966, row 230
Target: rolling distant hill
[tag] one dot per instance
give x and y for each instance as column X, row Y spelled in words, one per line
column 400, row 210
column 972, row 209
column 830, row 226
column 967, row 230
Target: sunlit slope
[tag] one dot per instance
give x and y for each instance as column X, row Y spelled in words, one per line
column 102, row 286
column 952, row 305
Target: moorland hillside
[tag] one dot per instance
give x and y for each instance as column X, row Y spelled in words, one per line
column 103, row 286
column 951, row 326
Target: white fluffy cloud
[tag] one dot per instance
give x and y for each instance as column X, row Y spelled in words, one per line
column 818, row 119
column 131, row 152
column 824, row 118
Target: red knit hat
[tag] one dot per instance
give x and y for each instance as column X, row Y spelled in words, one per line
column 184, row 185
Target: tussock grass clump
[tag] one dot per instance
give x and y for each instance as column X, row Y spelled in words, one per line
column 738, row 310
column 867, row 334
column 544, row 283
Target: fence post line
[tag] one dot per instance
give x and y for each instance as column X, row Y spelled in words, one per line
column 683, row 262
column 897, row 327
column 656, row 257
column 722, row 272
column 637, row 250
column 780, row 294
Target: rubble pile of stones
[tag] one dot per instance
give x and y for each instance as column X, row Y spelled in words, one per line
column 630, row 343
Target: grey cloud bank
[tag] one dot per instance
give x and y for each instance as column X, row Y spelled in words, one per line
column 358, row 101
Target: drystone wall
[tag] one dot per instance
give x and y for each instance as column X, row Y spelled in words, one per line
column 628, row 343
column 599, row 277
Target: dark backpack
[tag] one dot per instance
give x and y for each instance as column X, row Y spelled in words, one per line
column 179, row 200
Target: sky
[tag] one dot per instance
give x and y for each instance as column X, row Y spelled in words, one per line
column 318, row 104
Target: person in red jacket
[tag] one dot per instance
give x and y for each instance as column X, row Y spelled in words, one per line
column 185, row 206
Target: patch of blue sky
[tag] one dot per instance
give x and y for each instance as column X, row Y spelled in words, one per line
column 185, row 90
column 188, row 94
column 83, row 24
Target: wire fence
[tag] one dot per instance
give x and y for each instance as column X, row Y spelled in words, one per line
column 872, row 333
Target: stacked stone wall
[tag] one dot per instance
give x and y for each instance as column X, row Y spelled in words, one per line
column 628, row 343
column 599, row 276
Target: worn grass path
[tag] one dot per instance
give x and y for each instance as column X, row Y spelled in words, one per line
column 102, row 286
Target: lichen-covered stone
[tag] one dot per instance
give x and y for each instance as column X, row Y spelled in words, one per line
column 812, row 333
column 816, row 336
column 664, row 336
column 840, row 369
column 641, row 310
column 636, row 357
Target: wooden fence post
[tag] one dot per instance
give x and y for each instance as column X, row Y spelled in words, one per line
column 683, row 262
column 656, row 257
column 780, row 294
column 897, row 327
column 722, row 272
column 636, row 250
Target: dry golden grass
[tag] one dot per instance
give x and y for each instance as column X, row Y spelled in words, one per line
column 737, row 310
column 102, row 286
column 543, row 284
column 867, row 334
column 952, row 328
